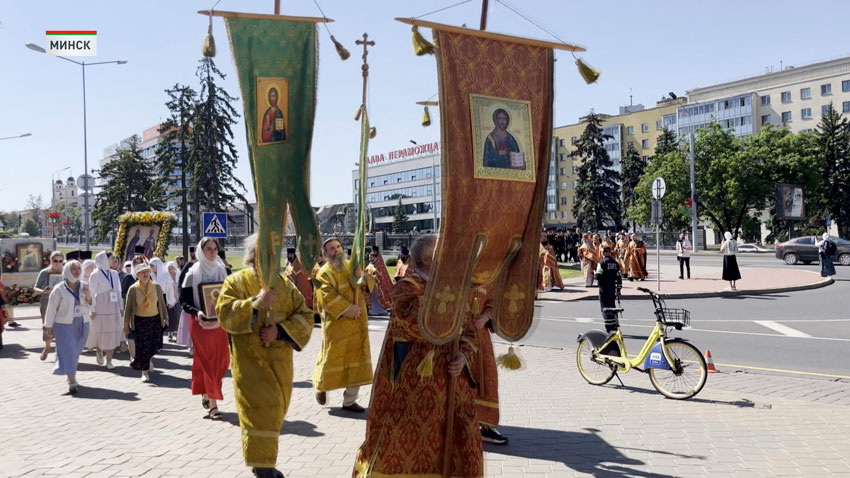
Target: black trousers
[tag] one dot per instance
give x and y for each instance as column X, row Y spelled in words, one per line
column 684, row 262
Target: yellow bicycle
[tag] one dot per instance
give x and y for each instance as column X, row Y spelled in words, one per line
column 676, row 368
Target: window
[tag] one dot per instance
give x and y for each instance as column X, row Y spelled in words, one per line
column 630, row 130
column 561, row 142
column 644, row 144
column 644, row 128
column 786, row 96
column 786, row 116
column 805, row 93
column 575, row 168
column 658, row 124
column 632, row 144
column 563, row 186
column 765, row 119
column 573, row 140
column 563, row 171
column 845, row 107
column 563, row 201
column 765, row 100
column 845, row 85
column 805, row 240
column 563, row 214
column 743, row 102
column 552, row 215
column 809, row 130
column 824, row 110
column 563, row 157
column 826, row 89
column 645, row 158
column 575, row 184
column 806, row 113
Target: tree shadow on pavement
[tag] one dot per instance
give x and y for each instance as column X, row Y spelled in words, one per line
column 584, row 452
column 300, row 428
column 15, row 351
column 95, row 393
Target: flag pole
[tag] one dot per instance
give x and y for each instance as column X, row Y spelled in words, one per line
column 358, row 253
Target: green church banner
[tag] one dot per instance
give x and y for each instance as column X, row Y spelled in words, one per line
column 276, row 61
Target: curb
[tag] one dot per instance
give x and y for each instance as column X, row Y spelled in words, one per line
column 726, row 293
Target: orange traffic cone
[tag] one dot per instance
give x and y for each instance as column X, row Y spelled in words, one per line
column 709, row 362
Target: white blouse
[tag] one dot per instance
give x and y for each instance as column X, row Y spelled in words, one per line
column 729, row 247
column 60, row 306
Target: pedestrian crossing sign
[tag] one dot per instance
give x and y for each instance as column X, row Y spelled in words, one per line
column 215, row 224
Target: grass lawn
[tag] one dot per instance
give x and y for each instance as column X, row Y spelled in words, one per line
column 234, row 260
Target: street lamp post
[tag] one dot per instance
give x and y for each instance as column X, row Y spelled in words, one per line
column 18, row 136
column 86, row 181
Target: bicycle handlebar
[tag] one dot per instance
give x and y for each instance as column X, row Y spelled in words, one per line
column 644, row 289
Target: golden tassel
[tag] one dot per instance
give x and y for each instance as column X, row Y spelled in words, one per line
column 426, row 118
column 589, row 74
column 373, row 131
column 209, row 43
column 426, row 366
column 340, row 50
column 357, row 114
column 421, row 46
column 510, row 360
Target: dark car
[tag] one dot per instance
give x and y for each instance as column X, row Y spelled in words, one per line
column 803, row 249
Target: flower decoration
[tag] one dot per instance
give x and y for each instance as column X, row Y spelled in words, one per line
column 10, row 262
column 21, row 295
column 165, row 220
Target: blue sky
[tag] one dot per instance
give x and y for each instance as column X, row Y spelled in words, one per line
column 651, row 47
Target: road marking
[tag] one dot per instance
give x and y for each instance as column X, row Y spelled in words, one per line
column 796, row 372
column 782, row 329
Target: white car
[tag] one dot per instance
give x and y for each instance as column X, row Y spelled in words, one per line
column 752, row 248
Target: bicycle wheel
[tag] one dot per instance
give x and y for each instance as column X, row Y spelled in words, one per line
column 594, row 372
column 687, row 374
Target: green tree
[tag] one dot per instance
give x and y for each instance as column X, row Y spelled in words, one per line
column 214, row 186
column 674, row 167
column 75, row 215
column 667, row 142
column 131, row 185
column 597, row 203
column 399, row 218
column 173, row 153
column 832, row 140
column 36, row 204
column 731, row 177
column 31, row 227
column 633, row 168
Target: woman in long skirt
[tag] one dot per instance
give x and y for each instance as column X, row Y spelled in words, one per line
column 160, row 275
column 730, row 262
column 173, row 312
column 107, row 322
column 827, row 268
column 67, row 321
column 145, row 314
column 212, row 354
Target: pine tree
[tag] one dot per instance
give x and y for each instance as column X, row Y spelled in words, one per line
column 832, row 138
column 399, row 218
column 598, row 193
column 214, row 186
column 31, row 227
column 667, row 142
column 173, row 153
column 633, row 168
column 131, row 185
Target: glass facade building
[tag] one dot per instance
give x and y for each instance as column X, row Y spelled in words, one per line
column 734, row 112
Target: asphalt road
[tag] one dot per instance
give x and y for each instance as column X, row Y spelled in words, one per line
column 805, row 331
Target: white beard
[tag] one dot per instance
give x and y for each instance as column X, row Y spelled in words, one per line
column 337, row 262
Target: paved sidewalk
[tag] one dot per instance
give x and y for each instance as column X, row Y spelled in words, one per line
column 705, row 282
column 740, row 425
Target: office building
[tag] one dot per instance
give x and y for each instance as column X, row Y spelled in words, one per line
column 409, row 176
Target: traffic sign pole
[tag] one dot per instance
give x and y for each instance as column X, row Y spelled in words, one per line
column 658, row 189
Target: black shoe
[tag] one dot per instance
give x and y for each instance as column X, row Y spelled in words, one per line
column 354, row 407
column 492, row 435
column 267, row 473
column 680, row 277
column 13, row 324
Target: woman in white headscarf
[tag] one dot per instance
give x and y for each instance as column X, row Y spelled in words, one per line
column 161, row 276
column 827, row 268
column 67, row 320
column 108, row 309
column 173, row 312
column 88, row 268
column 212, row 355
column 730, row 262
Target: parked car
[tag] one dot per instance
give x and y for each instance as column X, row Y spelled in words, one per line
column 752, row 248
column 803, row 249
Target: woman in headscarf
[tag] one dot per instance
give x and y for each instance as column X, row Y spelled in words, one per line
column 173, row 312
column 67, row 321
column 212, row 355
column 827, row 268
column 145, row 314
column 160, row 275
column 730, row 263
column 107, row 322
column 88, row 268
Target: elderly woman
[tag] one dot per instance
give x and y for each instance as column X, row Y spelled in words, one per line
column 825, row 246
column 211, row 358
column 107, row 322
column 145, row 314
column 43, row 289
column 67, row 320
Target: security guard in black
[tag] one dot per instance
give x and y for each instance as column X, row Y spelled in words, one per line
column 610, row 282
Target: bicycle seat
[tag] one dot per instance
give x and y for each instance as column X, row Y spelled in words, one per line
column 612, row 309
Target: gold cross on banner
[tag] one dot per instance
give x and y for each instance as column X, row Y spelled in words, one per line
column 513, row 296
column 445, row 296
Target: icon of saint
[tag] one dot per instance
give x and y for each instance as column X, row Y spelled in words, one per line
column 501, row 149
column 273, row 128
